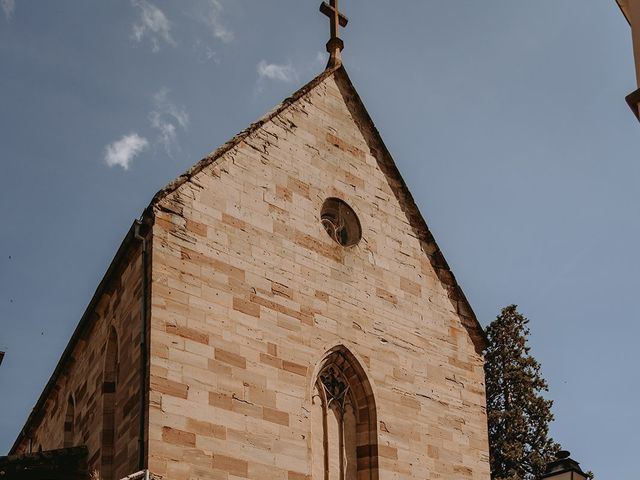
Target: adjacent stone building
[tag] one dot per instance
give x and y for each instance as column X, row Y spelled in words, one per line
column 280, row 311
column 631, row 11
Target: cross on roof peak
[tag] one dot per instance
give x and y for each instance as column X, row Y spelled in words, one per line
column 337, row 20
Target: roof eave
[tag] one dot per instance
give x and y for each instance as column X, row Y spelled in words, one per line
column 38, row 410
column 236, row 140
column 456, row 295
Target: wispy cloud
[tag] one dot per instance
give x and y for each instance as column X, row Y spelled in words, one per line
column 287, row 72
column 152, row 23
column 8, row 6
column 281, row 73
column 218, row 28
column 205, row 53
column 166, row 118
column 122, row 152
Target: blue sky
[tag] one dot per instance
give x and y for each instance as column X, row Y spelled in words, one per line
column 507, row 119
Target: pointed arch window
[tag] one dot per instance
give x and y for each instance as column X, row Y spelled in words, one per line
column 344, row 422
column 109, row 390
column 69, row 423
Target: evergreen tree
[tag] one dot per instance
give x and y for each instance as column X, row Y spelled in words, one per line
column 519, row 415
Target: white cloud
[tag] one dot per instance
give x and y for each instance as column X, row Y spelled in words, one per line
column 205, row 53
column 166, row 118
column 153, row 23
column 123, row 151
column 272, row 71
column 9, row 7
column 220, row 30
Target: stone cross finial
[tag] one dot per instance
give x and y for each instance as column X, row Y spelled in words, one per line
column 335, row 44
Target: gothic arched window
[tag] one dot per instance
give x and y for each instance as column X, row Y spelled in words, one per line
column 344, row 425
column 69, row 423
column 109, row 386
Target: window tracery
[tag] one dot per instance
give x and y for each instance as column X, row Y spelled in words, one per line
column 344, row 425
column 341, row 222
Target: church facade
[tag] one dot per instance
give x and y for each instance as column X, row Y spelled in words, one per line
column 281, row 311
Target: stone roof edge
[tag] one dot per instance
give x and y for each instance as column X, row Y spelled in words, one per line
column 417, row 221
column 86, row 321
column 236, row 140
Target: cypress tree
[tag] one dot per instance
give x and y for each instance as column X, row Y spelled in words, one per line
column 519, row 415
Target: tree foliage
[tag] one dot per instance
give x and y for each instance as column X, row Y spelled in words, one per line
column 519, row 415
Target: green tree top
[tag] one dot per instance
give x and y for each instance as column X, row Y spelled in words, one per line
column 518, row 414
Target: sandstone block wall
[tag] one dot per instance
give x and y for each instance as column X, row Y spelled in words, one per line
column 249, row 293
column 82, row 378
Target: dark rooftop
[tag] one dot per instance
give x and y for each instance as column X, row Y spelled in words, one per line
column 63, row 464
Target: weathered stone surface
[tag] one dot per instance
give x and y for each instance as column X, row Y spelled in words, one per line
column 247, row 264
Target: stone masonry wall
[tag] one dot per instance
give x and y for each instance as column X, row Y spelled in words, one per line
column 249, row 292
column 119, row 307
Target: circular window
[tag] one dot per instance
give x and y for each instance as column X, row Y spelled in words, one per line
column 341, row 222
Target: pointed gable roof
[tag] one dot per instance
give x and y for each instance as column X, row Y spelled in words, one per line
column 387, row 165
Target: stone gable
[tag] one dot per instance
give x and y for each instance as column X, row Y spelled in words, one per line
column 249, row 294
